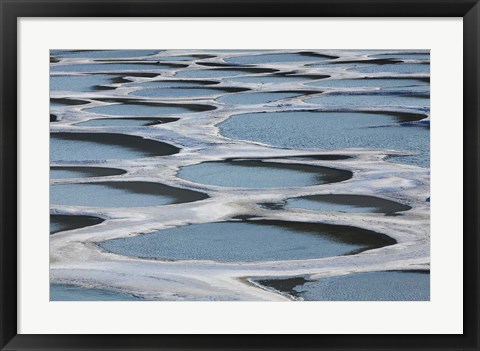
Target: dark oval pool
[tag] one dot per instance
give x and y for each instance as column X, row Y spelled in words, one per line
column 104, row 146
column 261, row 240
column 120, row 194
column 259, row 174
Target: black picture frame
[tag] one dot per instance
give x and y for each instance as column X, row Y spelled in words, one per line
column 11, row 10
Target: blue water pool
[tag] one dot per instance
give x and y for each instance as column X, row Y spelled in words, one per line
column 258, row 174
column 333, row 130
column 126, row 122
column 104, row 146
column 83, row 172
column 146, row 109
column 179, row 92
column 61, row 223
column 63, row 292
column 346, row 203
column 274, row 58
column 254, row 98
column 102, row 54
column 120, row 194
column 372, row 286
column 248, row 241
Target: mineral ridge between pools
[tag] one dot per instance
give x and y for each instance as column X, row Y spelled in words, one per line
column 97, row 93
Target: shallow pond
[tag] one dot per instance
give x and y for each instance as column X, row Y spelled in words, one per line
column 259, row 79
column 120, row 194
column 405, row 56
column 179, row 58
column 83, row 172
column 126, row 122
column 258, row 174
column 179, row 92
column 146, row 109
column 172, row 83
column 85, row 83
column 109, row 67
column 61, row 223
column 104, row 146
column 63, row 292
column 248, row 241
column 102, row 54
column 346, row 203
column 275, row 58
column 333, row 130
column 400, row 84
column 66, row 102
column 370, row 100
column 372, row 286
column 402, row 68
column 254, row 98
column 220, row 72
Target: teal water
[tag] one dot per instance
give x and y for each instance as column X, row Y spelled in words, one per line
column 217, row 73
column 274, row 58
column 63, row 292
column 86, row 83
column 346, row 203
column 83, row 172
column 254, row 98
column 140, row 109
column 414, row 84
column 403, row 68
column 178, row 92
column 177, row 58
column 60, row 223
column 104, row 146
column 171, row 83
column 120, row 194
column 259, row 79
column 126, row 122
column 109, row 67
column 258, row 174
column 372, row 286
column 248, row 241
column 332, row 130
column 102, row 54
column 66, row 102
column 404, row 56
column 357, row 101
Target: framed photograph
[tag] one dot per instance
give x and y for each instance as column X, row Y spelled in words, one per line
column 239, row 175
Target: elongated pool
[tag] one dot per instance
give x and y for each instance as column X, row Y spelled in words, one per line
column 104, row 146
column 61, row 223
column 371, row 286
column 258, row 174
column 126, row 122
column 333, row 130
column 357, row 101
column 347, row 203
column 102, row 54
column 254, row 98
column 66, row 172
column 249, row 241
column 120, row 194
column 144, row 109
column 275, row 58
column 64, row 292
column 109, row 67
